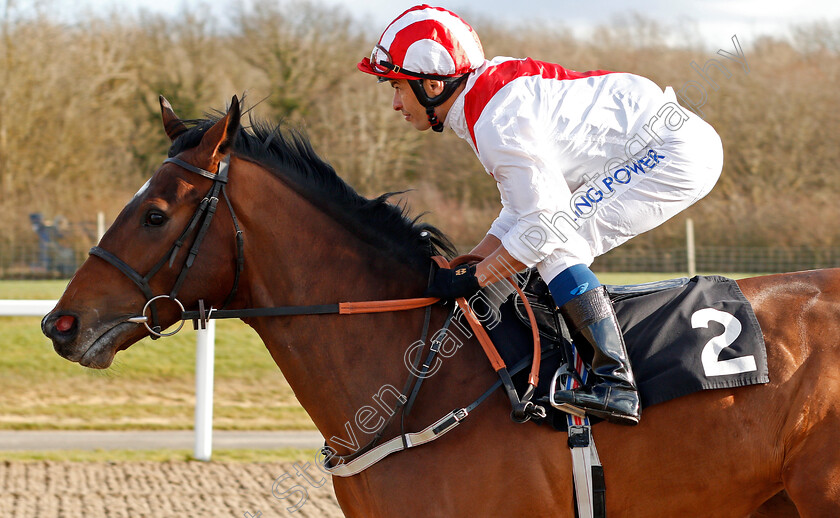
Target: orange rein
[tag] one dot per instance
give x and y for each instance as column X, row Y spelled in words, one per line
column 480, row 333
column 383, row 306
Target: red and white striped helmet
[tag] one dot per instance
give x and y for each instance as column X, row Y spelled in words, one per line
column 425, row 42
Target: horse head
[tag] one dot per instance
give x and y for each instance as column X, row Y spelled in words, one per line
column 149, row 249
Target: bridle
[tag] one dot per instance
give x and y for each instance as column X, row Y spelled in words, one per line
column 347, row 465
column 204, row 216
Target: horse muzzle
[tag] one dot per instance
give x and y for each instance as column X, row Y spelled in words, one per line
column 92, row 344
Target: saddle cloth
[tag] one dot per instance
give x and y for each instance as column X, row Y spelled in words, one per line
column 682, row 335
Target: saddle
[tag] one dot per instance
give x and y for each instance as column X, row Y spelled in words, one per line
column 551, row 325
column 672, row 329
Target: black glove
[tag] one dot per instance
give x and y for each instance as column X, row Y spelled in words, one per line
column 451, row 284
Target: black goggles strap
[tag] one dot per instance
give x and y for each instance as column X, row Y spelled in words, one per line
column 419, row 75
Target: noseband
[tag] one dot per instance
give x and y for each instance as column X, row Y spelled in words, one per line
column 203, row 216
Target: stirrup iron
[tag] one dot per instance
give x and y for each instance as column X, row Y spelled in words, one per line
column 563, row 407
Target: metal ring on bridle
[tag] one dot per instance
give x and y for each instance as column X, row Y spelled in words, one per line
column 146, row 322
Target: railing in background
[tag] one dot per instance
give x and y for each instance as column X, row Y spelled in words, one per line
column 23, row 261
column 54, row 250
column 31, row 260
column 34, row 258
column 204, row 356
column 725, row 259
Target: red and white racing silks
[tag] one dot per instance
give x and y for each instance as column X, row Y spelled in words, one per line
column 583, row 161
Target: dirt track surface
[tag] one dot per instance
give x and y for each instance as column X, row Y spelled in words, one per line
column 160, row 490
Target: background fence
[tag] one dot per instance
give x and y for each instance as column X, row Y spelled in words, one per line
column 204, row 367
column 56, row 248
column 720, row 260
column 56, row 261
column 53, row 250
column 34, row 260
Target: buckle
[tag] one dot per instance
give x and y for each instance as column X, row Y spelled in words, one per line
column 578, row 436
column 527, row 410
column 449, row 421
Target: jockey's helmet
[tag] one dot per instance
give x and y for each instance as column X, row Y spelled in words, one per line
column 426, row 42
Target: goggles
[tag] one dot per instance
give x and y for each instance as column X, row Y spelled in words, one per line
column 381, row 60
column 381, row 63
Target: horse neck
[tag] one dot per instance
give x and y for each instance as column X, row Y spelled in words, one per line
column 299, row 255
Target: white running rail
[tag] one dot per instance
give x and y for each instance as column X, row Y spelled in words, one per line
column 204, row 355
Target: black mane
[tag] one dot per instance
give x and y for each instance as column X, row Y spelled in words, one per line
column 288, row 154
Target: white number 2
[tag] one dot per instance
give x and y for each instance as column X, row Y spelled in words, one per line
column 711, row 351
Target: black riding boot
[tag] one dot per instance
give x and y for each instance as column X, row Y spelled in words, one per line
column 612, row 394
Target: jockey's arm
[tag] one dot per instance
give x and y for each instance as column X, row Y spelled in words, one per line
column 497, row 264
column 487, row 246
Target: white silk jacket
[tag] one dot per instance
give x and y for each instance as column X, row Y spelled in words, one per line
column 563, row 146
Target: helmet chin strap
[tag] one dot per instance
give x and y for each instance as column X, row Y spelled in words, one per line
column 430, row 103
column 437, row 125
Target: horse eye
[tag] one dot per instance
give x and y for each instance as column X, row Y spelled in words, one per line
column 154, row 219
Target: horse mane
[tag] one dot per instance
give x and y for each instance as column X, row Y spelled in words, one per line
column 288, row 154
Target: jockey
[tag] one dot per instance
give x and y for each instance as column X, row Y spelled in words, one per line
column 584, row 161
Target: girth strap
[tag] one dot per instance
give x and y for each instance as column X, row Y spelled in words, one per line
column 587, row 472
column 410, row 440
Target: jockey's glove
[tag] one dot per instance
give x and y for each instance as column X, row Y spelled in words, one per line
column 454, row 283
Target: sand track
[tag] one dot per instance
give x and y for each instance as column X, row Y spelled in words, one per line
column 160, row 489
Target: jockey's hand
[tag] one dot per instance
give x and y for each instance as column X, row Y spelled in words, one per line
column 454, row 283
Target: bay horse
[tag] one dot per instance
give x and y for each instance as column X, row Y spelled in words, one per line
column 308, row 238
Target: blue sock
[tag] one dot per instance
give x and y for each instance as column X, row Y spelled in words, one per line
column 571, row 282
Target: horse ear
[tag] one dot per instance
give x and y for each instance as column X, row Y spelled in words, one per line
column 219, row 139
column 172, row 125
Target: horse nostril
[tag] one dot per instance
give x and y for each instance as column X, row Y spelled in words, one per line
column 60, row 327
column 65, row 323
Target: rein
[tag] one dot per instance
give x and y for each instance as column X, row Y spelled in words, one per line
column 341, row 308
column 523, row 408
column 206, row 210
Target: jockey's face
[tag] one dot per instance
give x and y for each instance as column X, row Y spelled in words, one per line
column 406, row 103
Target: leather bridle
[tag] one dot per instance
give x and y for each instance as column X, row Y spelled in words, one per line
column 203, row 216
column 523, row 408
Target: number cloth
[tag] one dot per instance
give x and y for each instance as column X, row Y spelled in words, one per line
column 703, row 335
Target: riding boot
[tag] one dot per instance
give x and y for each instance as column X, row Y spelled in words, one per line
column 612, row 394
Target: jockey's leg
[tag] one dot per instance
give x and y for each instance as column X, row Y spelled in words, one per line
column 585, row 305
